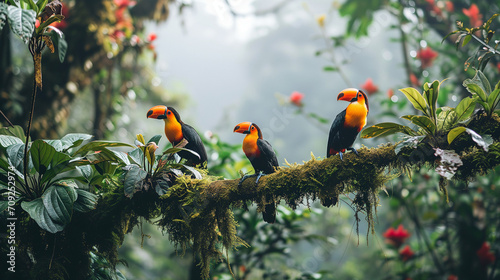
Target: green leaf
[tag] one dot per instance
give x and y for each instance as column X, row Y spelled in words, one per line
column 415, row 98
column 176, row 150
column 41, row 4
column 6, row 140
column 425, row 123
column 33, row 6
column 136, row 155
column 494, row 99
column 37, row 212
column 466, row 40
column 133, row 178
column 85, row 202
column 60, row 44
column 122, row 157
column 99, row 145
column 22, row 22
column 58, row 200
column 384, row 129
column 41, row 155
column 68, row 141
column 430, row 96
column 465, row 108
column 15, row 155
column 155, row 139
column 3, row 14
column 86, row 171
column 16, row 131
column 62, row 167
column 475, row 89
column 454, row 133
column 161, row 187
column 484, row 83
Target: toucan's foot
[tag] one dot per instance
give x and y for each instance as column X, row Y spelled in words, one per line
column 245, row 177
column 354, row 150
column 258, row 177
column 341, row 155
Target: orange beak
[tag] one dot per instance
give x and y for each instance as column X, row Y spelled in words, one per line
column 243, row 127
column 157, row 112
column 348, row 94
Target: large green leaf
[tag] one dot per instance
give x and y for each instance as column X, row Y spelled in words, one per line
column 22, row 22
column 477, row 90
column 133, row 178
column 483, row 81
column 454, row 133
column 415, row 98
column 37, row 211
column 431, row 94
column 384, row 129
column 136, row 155
column 85, row 202
column 58, row 200
column 16, row 131
column 494, row 99
column 62, row 167
column 3, row 14
column 99, row 145
column 465, row 108
column 41, row 155
column 425, row 123
column 68, row 141
column 15, row 154
column 60, row 44
column 7, row 140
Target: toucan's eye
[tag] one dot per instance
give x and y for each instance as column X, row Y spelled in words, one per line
column 359, row 95
column 168, row 112
column 253, row 128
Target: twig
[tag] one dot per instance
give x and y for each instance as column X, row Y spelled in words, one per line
column 7, row 119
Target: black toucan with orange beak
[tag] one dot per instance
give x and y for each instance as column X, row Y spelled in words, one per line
column 176, row 130
column 263, row 160
column 348, row 123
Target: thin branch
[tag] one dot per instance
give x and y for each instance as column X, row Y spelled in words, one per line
column 7, row 119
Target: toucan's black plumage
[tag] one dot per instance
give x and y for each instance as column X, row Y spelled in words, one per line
column 348, row 123
column 176, row 130
column 345, row 129
column 263, row 160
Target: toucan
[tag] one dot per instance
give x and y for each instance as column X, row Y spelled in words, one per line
column 263, row 160
column 176, row 130
column 348, row 123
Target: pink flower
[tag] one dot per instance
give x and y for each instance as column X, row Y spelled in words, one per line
column 151, row 37
column 486, row 257
column 37, row 23
column 124, row 3
column 396, row 237
column 450, row 8
column 452, row 277
column 406, row 253
column 390, row 92
column 476, row 19
column 296, row 98
column 369, row 86
column 426, row 56
column 414, row 80
column 498, row 67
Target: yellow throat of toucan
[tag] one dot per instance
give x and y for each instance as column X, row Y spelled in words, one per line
column 250, row 142
column 357, row 110
column 172, row 119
